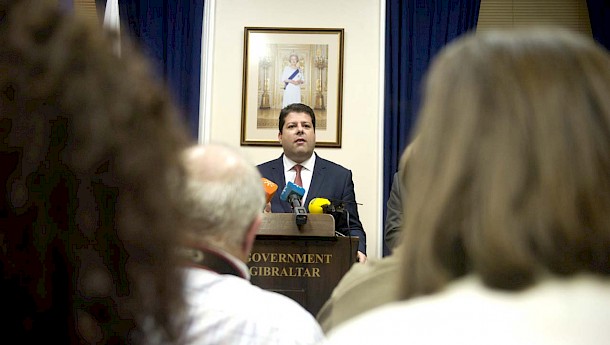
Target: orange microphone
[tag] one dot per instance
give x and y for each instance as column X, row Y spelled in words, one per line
column 270, row 189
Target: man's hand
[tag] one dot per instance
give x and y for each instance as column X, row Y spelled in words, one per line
column 267, row 208
column 361, row 257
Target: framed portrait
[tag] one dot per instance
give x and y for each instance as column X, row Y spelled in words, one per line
column 291, row 65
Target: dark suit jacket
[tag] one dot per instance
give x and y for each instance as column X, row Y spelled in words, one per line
column 393, row 220
column 330, row 181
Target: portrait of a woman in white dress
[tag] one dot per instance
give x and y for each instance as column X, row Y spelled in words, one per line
column 292, row 77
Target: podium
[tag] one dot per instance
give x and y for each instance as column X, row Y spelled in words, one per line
column 303, row 263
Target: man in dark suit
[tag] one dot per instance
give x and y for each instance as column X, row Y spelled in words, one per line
column 319, row 177
column 393, row 220
column 392, row 231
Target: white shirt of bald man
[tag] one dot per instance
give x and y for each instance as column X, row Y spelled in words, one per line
column 226, row 309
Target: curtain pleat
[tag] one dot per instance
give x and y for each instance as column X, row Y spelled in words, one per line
column 169, row 32
column 415, row 32
column 599, row 16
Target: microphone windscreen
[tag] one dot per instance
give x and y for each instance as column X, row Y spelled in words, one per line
column 315, row 205
column 290, row 189
column 270, row 189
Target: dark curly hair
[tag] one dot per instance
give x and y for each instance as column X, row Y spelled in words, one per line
column 296, row 108
column 90, row 167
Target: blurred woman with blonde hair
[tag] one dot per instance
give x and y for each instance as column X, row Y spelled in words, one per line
column 508, row 235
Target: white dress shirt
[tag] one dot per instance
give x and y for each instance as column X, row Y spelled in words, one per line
column 306, row 172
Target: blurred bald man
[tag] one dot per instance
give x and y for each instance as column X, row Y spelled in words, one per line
column 224, row 200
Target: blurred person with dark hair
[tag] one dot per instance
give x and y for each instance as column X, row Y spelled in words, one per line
column 508, row 236
column 90, row 169
column 223, row 202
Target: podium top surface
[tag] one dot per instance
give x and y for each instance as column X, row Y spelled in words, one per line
column 284, row 224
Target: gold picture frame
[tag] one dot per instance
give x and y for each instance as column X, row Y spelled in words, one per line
column 285, row 65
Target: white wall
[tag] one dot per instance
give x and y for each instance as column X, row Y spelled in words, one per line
column 361, row 20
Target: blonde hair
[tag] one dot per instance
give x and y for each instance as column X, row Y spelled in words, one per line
column 512, row 173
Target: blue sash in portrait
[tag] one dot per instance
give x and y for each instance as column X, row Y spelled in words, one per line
column 294, row 74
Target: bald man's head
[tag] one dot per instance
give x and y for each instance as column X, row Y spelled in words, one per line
column 215, row 162
column 224, row 194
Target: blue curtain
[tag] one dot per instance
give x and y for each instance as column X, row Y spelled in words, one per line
column 66, row 5
column 415, row 31
column 599, row 15
column 169, row 32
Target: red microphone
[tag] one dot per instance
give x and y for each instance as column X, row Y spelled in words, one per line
column 270, row 189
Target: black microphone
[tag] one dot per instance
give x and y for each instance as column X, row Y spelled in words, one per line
column 293, row 193
column 334, row 207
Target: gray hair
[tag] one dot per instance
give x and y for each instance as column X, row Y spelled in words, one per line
column 224, row 193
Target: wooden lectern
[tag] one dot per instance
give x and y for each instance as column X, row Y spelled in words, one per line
column 304, row 263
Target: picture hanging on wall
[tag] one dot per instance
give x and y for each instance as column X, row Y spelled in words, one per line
column 291, row 65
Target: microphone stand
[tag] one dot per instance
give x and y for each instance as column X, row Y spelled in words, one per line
column 299, row 211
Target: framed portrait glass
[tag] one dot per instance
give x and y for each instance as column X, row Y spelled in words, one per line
column 291, row 65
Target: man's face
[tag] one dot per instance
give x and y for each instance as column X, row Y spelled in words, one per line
column 298, row 137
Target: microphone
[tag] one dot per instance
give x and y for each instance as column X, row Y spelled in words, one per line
column 323, row 205
column 293, row 193
column 270, row 189
column 326, row 206
column 318, row 205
